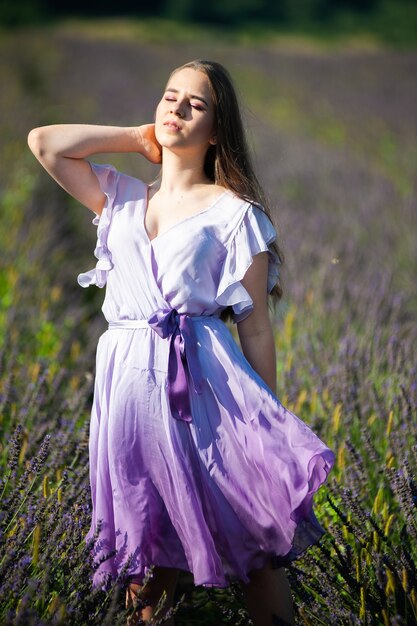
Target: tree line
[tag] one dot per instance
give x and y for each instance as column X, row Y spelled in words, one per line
column 219, row 12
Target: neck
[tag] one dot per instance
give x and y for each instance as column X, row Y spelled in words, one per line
column 180, row 172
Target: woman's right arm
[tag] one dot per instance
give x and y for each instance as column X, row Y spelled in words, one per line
column 62, row 149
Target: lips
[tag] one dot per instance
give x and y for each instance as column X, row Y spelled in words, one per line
column 172, row 125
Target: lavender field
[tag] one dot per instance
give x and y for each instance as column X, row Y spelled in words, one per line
column 334, row 132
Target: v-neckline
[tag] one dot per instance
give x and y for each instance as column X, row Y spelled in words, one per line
column 175, row 224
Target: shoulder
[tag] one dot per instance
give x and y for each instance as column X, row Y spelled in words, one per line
column 123, row 185
column 247, row 225
column 243, row 204
column 245, row 210
column 228, row 215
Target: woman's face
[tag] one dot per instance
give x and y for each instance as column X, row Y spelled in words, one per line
column 185, row 117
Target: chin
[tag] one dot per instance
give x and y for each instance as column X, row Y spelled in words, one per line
column 166, row 139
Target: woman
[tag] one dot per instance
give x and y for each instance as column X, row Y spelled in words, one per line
column 194, row 463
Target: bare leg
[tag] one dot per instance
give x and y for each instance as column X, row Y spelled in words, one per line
column 268, row 597
column 163, row 579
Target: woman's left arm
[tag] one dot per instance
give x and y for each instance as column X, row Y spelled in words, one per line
column 255, row 331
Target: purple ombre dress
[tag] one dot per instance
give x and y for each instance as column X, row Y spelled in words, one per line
column 194, row 462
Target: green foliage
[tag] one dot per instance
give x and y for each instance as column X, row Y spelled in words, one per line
column 22, row 12
column 389, row 21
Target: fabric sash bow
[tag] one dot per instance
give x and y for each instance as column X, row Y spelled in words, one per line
column 183, row 363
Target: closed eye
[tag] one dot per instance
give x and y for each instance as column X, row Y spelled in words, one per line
column 197, row 107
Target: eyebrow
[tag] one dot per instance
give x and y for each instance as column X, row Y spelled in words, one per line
column 193, row 97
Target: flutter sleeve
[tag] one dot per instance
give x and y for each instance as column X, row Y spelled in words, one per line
column 108, row 178
column 254, row 234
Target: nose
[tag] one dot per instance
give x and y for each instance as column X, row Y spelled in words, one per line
column 175, row 109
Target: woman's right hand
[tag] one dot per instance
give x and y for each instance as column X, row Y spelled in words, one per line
column 149, row 146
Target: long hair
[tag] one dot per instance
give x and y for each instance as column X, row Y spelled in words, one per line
column 228, row 162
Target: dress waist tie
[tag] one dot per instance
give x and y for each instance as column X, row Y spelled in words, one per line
column 183, row 362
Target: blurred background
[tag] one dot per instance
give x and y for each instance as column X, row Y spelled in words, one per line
column 329, row 96
column 390, row 20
